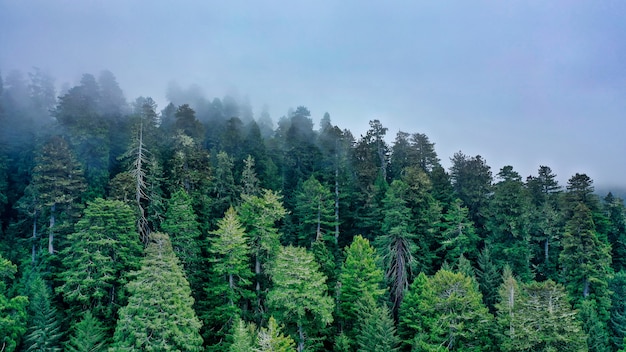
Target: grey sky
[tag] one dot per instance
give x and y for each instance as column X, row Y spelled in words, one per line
column 519, row 82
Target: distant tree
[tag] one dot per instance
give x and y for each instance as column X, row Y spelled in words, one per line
column 159, row 314
column 59, row 185
column 617, row 322
column 458, row 236
column 425, row 153
column 471, row 179
column 616, row 214
column 187, row 124
column 249, row 179
column 402, row 156
column 314, row 211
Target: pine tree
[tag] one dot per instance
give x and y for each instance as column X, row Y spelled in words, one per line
column 104, row 248
column 298, row 296
column 397, row 245
column 376, row 330
column 249, row 180
column 271, row 339
column 44, row 331
column 89, row 335
column 314, row 211
column 181, row 224
column 243, row 336
column 617, row 324
column 230, row 275
column 259, row 216
column 360, row 278
column 488, row 278
column 159, row 314
column 458, row 236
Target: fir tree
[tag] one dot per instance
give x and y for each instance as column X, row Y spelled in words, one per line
column 159, row 314
column 89, row 335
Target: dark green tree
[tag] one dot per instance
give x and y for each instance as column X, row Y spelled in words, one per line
column 458, row 236
column 397, row 243
column 159, row 314
column 617, row 323
column 376, row 328
column 314, row 212
column 44, row 329
column 471, row 179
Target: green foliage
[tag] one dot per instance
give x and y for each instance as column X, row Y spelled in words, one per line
column 13, row 316
column 488, row 277
column 89, row 335
column 458, row 236
column 617, row 323
column 360, row 278
column 445, row 310
column 376, row 330
column 314, row 212
column 298, row 296
column 104, row 248
column 271, row 339
column 181, row 224
column 230, row 275
column 396, row 245
column 44, row 330
column 159, row 314
column 243, row 336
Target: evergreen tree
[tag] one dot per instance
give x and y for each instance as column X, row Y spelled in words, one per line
column 181, row 223
column 508, row 226
column 58, row 183
column 425, row 153
column 616, row 214
column 230, row 275
column 458, row 236
column 376, row 330
column 617, row 324
column 12, row 310
column 397, row 245
column 271, row 339
column 298, row 296
column 249, row 179
column 104, row 248
column 314, row 211
column 259, row 216
column 89, row 335
column 471, row 178
column 159, row 314
column 488, row 278
column 44, row 330
column 243, row 336
column 360, row 278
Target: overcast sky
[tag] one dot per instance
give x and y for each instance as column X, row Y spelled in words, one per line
column 524, row 83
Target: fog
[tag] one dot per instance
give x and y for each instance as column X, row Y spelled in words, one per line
column 524, row 83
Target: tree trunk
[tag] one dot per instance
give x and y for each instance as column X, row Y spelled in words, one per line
column 51, row 233
column 336, row 205
column 546, row 249
column 34, row 248
column 318, row 232
column 301, row 336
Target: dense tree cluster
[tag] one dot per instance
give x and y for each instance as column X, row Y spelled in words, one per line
column 199, row 227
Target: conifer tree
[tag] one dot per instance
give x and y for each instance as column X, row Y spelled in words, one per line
column 243, row 336
column 360, row 278
column 181, row 224
column 44, row 330
column 617, row 323
column 376, row 329
column 230, row 276
column 159, row 314
column 458, row 236
column 314, row 211
column 104, row 248
column 298, row 297
column 271, row 339
column 89, row 335
column 260, row 215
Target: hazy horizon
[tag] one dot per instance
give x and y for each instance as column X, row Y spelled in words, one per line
column 522, row 84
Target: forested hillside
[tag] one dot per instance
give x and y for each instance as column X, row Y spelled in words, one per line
column 200, row 227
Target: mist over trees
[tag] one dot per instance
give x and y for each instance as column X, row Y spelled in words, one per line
column 200, row 226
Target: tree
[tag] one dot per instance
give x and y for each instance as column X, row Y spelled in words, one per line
column 187, row 124
column 617, row 323
column 376, row 330
column 397, row 245
column 249, row 179
column 298, row 296
column 12, row 310
column 425, row 153
column 447, row 311
column 508, row 224
column 104, row 248
column 159, row 314
column 471, row 179
column 259, row 216
column 89, row 335
column 488, row 278
column 360, row 278
column 458, row 236
column 538, row 317
column 243, row 336
column 271, row 339
column 58, row 181
column 44, row 331
column 181, row 223
column 314, row 210
column 230, row 274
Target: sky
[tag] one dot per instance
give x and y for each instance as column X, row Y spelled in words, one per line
column 521, row 83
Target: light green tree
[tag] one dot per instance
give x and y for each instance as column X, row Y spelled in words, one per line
column 271, row 339
column 13, row 316
column 44, row 329
column 376, row 328
column 88, row 335
column 159, row 314
column 298, row 296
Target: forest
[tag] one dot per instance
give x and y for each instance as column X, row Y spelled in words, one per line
column 201, row 227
